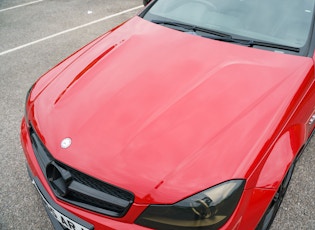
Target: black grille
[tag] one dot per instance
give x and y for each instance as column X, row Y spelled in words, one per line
column 99, row 185
column 77, row 188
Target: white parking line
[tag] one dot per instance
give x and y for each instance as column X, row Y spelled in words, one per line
column 25, row 4
column 69, row 30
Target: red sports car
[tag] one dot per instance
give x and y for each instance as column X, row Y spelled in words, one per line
column 190, row 115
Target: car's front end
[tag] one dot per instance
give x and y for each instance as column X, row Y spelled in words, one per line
column 148, row 127
column 87, row 203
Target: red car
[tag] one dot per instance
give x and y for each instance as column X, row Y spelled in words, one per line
column 190, row 115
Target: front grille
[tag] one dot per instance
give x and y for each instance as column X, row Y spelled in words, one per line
column 99, row 185
column 77, row 188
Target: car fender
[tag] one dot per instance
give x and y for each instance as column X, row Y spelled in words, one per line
column 280, row 158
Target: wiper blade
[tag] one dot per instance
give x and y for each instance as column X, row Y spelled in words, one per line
column 192, row 28
column 251, row 43
column 273, row 45
column 216, row 35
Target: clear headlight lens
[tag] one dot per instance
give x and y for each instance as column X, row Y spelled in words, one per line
column 209, row 209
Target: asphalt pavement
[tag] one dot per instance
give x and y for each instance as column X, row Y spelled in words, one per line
column 35, row 35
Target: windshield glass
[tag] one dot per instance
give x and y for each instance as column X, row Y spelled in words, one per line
column 285, row 22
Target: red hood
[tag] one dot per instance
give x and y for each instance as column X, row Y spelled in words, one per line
column 157, row 111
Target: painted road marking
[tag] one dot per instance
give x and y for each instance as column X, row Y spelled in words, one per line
column 18, row 6
column 70, row 30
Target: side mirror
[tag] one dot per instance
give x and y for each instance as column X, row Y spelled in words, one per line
column 145, row 2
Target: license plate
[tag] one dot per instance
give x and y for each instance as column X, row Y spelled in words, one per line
column 61, row 218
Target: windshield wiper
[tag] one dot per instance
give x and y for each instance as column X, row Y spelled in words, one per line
column 251, row 43
column 216, row 35
column 188, row 27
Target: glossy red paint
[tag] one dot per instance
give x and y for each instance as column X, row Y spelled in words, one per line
column 166, row 114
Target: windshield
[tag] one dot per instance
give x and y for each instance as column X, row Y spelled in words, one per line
column 285, row 22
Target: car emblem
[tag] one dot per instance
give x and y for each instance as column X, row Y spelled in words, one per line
column 65, row 143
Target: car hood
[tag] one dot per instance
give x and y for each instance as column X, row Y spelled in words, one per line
column 166, row 114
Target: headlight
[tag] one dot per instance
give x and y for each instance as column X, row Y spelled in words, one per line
column 209, row 209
